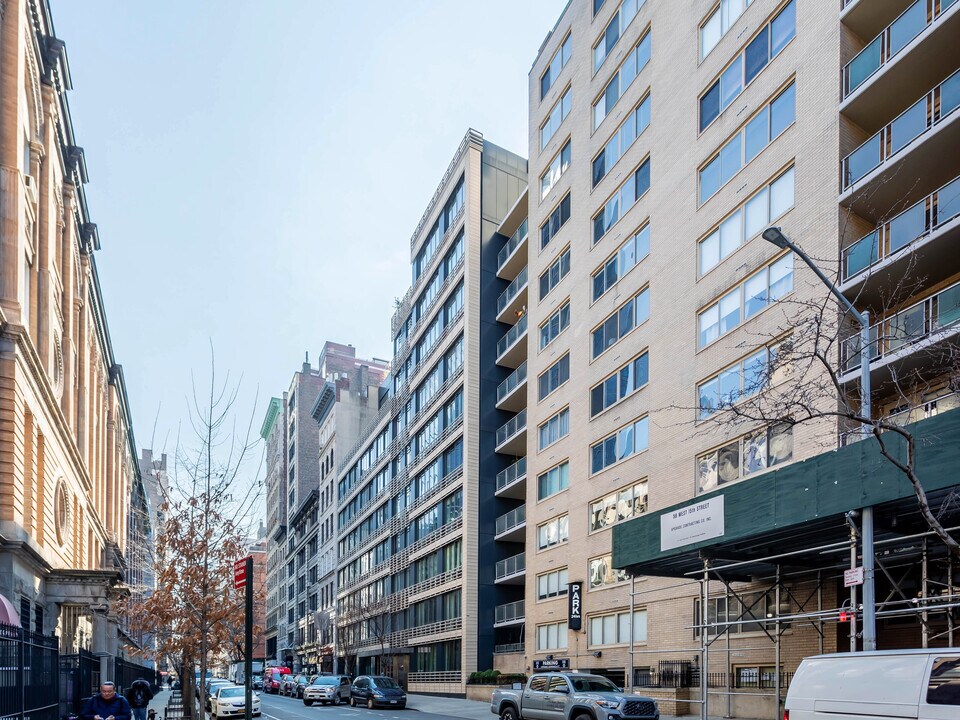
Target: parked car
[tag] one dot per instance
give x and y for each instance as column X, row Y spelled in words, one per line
column 922, row 684
column 286, row 685
column 332, row 689
column 273, row 679
column 258, row 682
column 212, row 687
column 377, row 691
column 230, row 701
column 568, row 696
column 299, row 683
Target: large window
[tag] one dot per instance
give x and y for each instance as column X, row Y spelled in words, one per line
column 555, row 428
column 627, row 441
column 618, row 385
column 632, row 189
column 743, row 379
column 552, row 636
column 450, row 212
column 718, row 22
column 753, row 453
column 558, row 218
column 618, row 506
column 618, row 23
column 557, row 63
column 553, row 532
column 552, row 584
column 621, row 80
column 634, row 249
column 621, row 140
column 632, row 313
column 557, row 167
column 617, row 628
column 761, row 289
column 553, row 377
column 765, row 45
column 555, row 273
column 763, row 207
column 602, row 573
column 555, row 325
column 743, row 147
column 555, row 118
column 554, row 480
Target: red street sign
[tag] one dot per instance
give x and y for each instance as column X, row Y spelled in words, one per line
column 240, row 574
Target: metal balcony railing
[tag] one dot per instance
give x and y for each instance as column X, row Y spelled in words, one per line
column 913, row 122
column 938, row 208
column 510, row 428
column 510, row 475
column 509, row 612
column 918, row 322
column 518, row 237
column 511, row 566
column 515, row 286
column 512, row 381
column 927, row 409
column 512, row 519
column 891, row 40
column 508, row 648
column 511, row 336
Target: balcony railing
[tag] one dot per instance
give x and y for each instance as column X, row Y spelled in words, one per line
column 514, row 518
column 511, row 474
column 512, row 244
column 512, row 382
column 510, row 428
column 511, row 566
column 510, row 612
column 891, row 40
column 512, row 335
column 913, row 122
column 907, row 327
column 516, row 285
column 928, row 408
column 508, row 648
column 938, row 208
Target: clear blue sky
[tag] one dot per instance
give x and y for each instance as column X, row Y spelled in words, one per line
column 257, row 169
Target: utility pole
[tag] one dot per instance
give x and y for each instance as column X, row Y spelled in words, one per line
column 248, row 641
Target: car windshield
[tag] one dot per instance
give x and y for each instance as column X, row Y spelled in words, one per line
column 385, row 682
column 326, row 681
column 593, row 684
column 231, row 692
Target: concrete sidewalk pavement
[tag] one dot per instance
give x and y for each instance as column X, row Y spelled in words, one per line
column 459, row 707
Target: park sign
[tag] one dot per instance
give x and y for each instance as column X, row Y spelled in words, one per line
column 240, row 574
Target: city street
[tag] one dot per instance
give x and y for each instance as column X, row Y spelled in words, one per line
column 276, row 707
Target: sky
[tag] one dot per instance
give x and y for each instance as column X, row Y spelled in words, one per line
column 257, row 169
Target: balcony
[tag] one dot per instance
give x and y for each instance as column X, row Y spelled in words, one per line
column 511, row 302
column 512, row 481
column 933, row 404
column 868, row 18
column 512, row 435
column 920, row 143
column 508, row 649
column 513, row 255
column 511, row 393
column 900, row 337
column 512, row 570
column 512, row 347
column 509, row 614
column 922, row 241
column 511, row 526
column 917, row 49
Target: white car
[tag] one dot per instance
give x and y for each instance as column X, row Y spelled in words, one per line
column 230, row 702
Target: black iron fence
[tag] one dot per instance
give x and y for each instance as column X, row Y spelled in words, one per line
column 684, row 674
column 125, row 672
column 79, row 680
column 28, row 675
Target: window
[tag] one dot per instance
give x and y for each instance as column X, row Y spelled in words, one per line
column 744, row 301
column 746, row 616
column 743, row 147
column 557, row 219
column 553, row 532
column 628, row 316
column 552, row 584
column 602, row 573
column 623, row 137
column 745, row 456
column 611, row 34
column 620, row 445
column 719, row 22
column 621, row 80
column 553, row 481
column 615, row 387
column 633, row 188
column 616, row 628
column 558, row 166
column 450, row 212
column 597, row 4
column 634, row 249
column 557, row 63
column 747, row 65
column 552, row 637
column 553, row 377
column 618, row 506
column 744, row 378
column 555, row 428
column 944, row 685
column 555, row 273
column 747, row 220
column 556, row 116
column 555, row 325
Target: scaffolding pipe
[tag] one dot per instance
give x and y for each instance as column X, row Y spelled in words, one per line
column 925, row 637
column 820, row 609
column 633, row 615
column 776, row 661
column 869, row 588
column 704, row 645
column 950, row 615
column 853, row 588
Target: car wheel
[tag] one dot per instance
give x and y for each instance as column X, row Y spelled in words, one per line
column 308, row 703
column 508, row 713
column 369, row 703
column 353, row 701
column 336, row 699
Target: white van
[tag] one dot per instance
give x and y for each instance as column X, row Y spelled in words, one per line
column 916, row 684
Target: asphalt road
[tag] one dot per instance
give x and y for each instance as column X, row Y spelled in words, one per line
column 275, row 707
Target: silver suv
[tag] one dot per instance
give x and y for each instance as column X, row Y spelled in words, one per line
column 332, row 689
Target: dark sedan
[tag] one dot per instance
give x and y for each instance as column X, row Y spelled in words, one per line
column 377, row 691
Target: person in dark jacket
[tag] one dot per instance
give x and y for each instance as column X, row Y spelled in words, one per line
column 106, row 705
column 139, row 697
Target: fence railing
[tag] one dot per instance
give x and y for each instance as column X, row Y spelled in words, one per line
column 512, row 381
column 513, row 426
column 511, row 474
column 509, row 612
column 507, row 250
column 512, row 519
column 29, row 666
column 684, row 674
column 515, row 286
column 511, row 566
column 508, row 648
column 511, row 337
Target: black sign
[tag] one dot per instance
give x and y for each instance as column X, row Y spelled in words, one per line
column 558, row 664
column 574, row 605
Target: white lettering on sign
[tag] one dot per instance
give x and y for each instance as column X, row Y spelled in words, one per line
column 691, row 524
column 853, row 576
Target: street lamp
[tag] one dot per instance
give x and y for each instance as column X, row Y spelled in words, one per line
column 774, row 236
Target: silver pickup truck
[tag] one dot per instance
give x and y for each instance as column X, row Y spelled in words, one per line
column 571, row 696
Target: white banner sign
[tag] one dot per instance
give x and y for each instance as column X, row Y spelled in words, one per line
column 691, row 524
